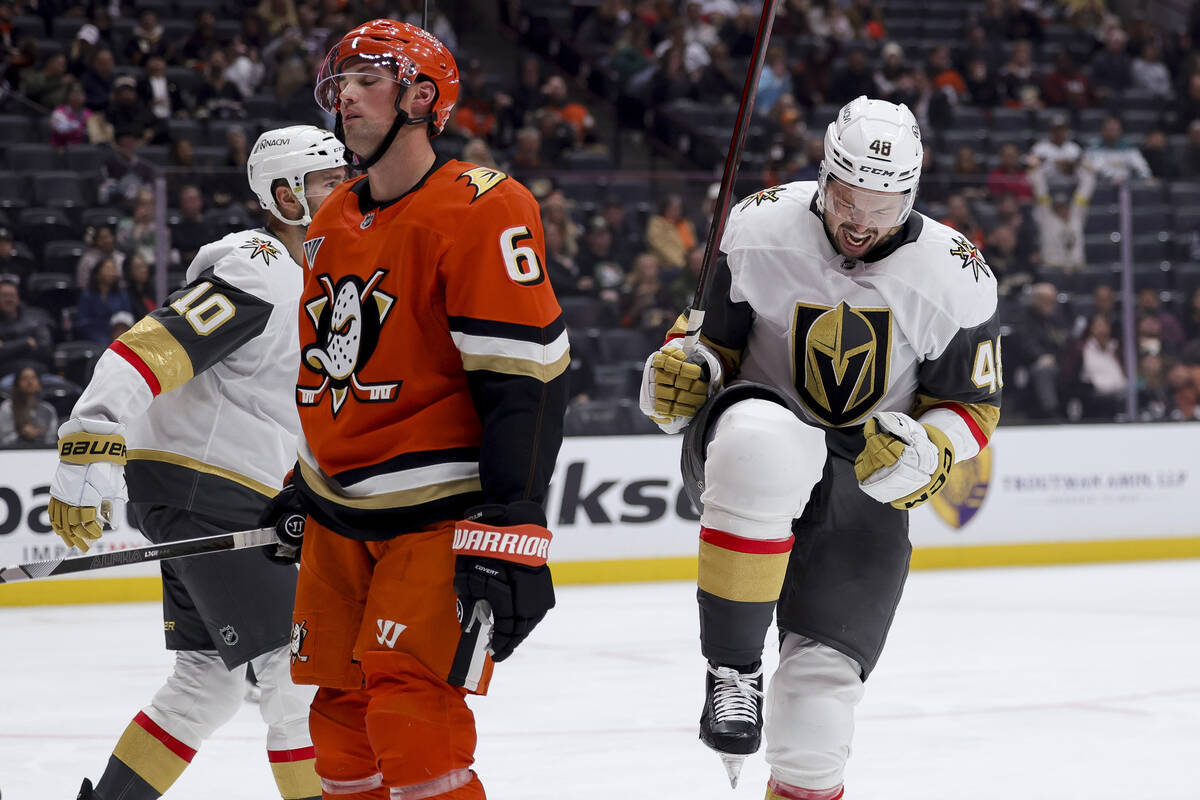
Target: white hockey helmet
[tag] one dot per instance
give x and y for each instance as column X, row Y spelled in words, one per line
column 873, row 145
column 289, row 154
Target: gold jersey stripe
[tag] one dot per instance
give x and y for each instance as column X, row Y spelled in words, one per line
column 401, row 499
column 162, row 352
column 508, row 365
column 741, row 577
column 199, row 466
column 149, row 758
column 297, row 779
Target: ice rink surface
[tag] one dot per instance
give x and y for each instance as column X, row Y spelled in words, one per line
column 1064, row 683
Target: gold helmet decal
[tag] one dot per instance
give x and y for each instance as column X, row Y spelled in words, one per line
column 841, row 360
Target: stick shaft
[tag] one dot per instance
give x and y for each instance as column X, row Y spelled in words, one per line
column 741, row 127
column 238, row 540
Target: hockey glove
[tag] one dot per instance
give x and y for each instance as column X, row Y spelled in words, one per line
column 501, row 568
column 904, row 462
column 89, row 479
column 675, row 385
column 285, row 512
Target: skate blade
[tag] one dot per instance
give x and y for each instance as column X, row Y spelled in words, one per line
column 733, row 767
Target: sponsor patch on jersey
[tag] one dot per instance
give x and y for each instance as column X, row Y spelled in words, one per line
column 483, row 180
column 263, row 248
column 965, row 490
column 840, row 358
column 971, row 257
column 348, row 317
column 763, row 196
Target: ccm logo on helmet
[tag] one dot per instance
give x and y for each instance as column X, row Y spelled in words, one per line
column 876, row 171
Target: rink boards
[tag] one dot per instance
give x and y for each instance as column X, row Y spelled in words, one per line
column 1037, row 495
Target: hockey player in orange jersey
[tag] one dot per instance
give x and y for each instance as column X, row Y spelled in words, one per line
column 431, row 393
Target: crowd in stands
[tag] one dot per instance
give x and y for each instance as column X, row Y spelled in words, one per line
column 1036, row 117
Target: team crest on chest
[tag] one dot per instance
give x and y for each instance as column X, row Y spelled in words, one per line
column 970, row 255
column 348, row 317
column 263, row 248
column 840, row 360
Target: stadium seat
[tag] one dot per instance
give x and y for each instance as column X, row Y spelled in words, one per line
column 1152, row 246
column 76, row 360
column 1010, row 119
column 31, row 156
column 1152, row 274
column 100, row 216
column 15, row 128
column 14, row 192
column 1102, row 220
column 1186, row 277
column 60, row 393
column 227, row 220
column 581, row 313
column 616, row 381
column 62, row 255
column 601, row 418
column 208, row 156
column 188, row 129
column 1102, row 248
column 62, row 189
column 262, row 106
column 85, row 158
column 40, row 225
column 625, row 344
column 1185, row 193
column 52, row 291
column 28, row 25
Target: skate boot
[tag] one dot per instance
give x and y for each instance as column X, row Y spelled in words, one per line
column 85, row 791
column 731, row 722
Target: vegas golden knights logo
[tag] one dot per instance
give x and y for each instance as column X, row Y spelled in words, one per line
column 347, row 318
column 840, row 360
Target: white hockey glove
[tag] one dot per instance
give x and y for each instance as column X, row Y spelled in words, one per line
column 89, row 478
column 904, row 461
column 675, row 385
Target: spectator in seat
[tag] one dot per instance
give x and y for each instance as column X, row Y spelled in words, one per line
column 852, row 80
column 967, row 175
column 13, row 265
column 1154, row 397
column 1189, row 161
column 119, row 323
column 774, row 81
column 83, row 48
column 191, row 232
column 202, row 40
column 574, row 114
column 1185, row 402
column 1013, row 273
column 1060, row 218
column 1187, row 107
column 984, row 89
column 48, row 85
column 959, row 217
column 25, row 419
column 97, row 80
column 1170, row 330
column 139, row 285
column 102, row 244
column 25, row 331
column 1059, row 152
column 1093, row 368
column 561, row 268
column 124, row 172
column 1191, row 317
column 136, row 233
column 1020, row 22
column 1112, row 68
column 1038, row 343
column 627, row 239
column 1008, row 176
column 1156, row 150
column 158, row 93
column 218, row 97
column 147, row 40
column 128, row 114
column 1022, row 89
column 1116, row 159
column 102, row 298
column 1150, row 73
column 69, row 122
column 670, row 234
column 527, row 153
column 891, row 67
column 1104, row 303
column 646, row 301
column 1065, row 86
column 943, row 75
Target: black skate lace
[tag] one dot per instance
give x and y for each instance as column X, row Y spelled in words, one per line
column 734, row 695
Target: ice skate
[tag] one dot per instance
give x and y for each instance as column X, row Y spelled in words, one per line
column 731, row 722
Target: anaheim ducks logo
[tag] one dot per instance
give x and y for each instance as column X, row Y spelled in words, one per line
column 965, row 490
column 348, row 317
column 840, row 360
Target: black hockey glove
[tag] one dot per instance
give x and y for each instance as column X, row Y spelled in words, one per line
column 285, row 512
column 501, row 571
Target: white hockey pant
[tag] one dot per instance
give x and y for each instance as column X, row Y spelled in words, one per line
column 809, row 713
column 201, row 695
column 761, row 467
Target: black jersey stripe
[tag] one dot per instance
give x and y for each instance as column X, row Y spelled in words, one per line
column 474, row 326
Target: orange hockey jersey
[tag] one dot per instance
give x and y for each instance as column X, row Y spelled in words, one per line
column 433, row 353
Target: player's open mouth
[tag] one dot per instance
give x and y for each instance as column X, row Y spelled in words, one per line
column 856, row 240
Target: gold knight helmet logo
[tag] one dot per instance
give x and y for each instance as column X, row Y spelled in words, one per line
column 840, row 360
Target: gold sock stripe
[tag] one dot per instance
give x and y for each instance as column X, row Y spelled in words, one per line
column 297, row 779
column 741, row 577
column 151, row 759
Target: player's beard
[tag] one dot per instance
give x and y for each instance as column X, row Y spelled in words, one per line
column 854, row 243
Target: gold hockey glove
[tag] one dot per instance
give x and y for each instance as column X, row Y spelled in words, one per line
column 904, row 462
column 89, row 479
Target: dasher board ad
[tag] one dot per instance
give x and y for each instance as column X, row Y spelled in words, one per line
column 615, row 498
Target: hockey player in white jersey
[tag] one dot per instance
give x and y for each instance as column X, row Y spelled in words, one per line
column 194, row 407
column 849, row 358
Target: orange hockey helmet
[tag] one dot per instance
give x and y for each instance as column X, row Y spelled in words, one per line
column 410, row 53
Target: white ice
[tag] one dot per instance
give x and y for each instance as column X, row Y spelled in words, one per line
column 1065, row 683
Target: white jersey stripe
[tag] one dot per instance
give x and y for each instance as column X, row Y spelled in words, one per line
column 544, row 355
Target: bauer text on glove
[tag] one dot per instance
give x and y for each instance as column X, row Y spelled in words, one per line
column 89, row 480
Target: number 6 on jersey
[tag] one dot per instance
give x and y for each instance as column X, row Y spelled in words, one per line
column 520, row 261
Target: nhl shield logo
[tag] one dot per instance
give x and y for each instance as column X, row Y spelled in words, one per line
column 229, row 635
column 840, row 360
column 965, row 490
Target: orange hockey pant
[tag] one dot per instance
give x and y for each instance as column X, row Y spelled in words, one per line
column 376, row 626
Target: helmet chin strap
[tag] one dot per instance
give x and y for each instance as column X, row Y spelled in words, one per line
column 402, row 119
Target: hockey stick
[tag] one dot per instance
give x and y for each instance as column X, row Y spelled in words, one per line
column 238, row 540
column 741, row 127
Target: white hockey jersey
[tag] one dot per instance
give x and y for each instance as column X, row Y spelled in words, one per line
column 205, row 383
column 911, row 329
